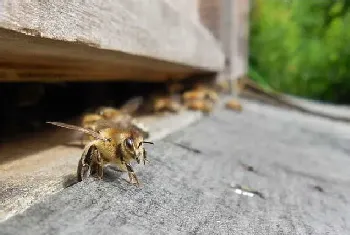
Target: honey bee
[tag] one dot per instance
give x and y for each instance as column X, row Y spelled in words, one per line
column 167, row 99
column 200, row 98
column 201, row 105
column 201, row 93
column 122, row 117
column 110, row 145
column 234, row 104
column 162, row 103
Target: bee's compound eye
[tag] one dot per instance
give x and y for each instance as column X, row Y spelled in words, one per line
column 129, row 143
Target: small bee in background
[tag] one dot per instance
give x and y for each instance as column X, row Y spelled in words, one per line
column 163, row 103
column 201, row 93
column 111, row 144
column 200, row 98
column 121, row 117
column 199, row 105
column 166, row 100
column 234, row 104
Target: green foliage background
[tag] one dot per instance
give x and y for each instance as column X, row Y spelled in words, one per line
column 302, row 47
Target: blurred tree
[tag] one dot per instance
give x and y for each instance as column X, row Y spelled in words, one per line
column 301, row 47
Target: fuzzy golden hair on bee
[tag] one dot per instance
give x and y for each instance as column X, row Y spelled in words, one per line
column 110, row 144
column 123, row 123
column 122, row 116
column 200, row 94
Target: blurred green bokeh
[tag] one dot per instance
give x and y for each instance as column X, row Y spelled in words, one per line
column 302, row 47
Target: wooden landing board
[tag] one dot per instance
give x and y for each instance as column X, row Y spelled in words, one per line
column 33, row 168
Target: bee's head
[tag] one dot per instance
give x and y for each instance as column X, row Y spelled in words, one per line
column 135, row 148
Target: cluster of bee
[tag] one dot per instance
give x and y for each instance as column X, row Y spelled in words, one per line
column 114, row 136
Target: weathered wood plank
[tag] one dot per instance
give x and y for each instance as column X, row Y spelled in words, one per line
column 39, row 59
column 45, row 163
column 116, row 37
column 189, row 185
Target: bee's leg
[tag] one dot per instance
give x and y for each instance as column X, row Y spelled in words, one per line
column 145, row 158
column 97, row 164
column 132, row 175
column 83, row 170
column 84, row 165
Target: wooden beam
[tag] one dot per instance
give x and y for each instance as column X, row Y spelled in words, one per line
column 28, row 58
column 119, row 40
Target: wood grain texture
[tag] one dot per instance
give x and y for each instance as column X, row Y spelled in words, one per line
column 110, row 39
column 188, row 187
column 36, row 167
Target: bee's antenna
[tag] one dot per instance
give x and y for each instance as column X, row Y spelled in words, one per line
column 147, row 142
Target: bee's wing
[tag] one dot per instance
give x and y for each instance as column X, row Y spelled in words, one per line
column 123, row 126
column 78, row 128
column 104, row 124
column 132, row 104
